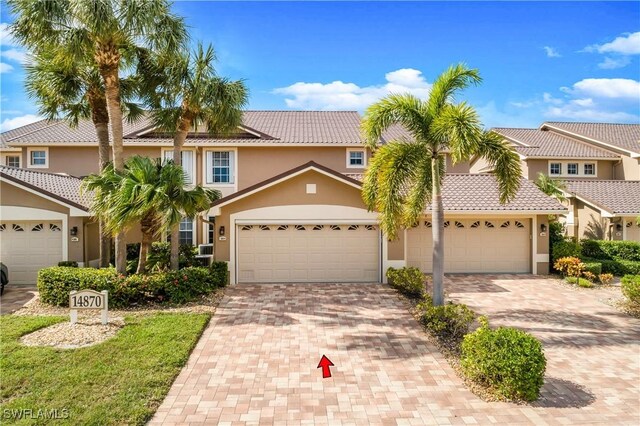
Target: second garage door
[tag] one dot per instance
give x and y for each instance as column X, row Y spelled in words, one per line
column 308, row 253
column 476, row 245
column 27, row 247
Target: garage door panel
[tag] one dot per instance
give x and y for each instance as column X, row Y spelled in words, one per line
column 474, row 245
column 315, row 253
column 27, row 247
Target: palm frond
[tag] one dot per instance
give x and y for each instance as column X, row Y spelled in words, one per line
column 505, row 162
column 455, row 78
column 458, row 129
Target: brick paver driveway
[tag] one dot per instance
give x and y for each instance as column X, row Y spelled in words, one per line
column 256, row 362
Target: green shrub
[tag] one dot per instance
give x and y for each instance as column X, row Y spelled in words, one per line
column 408, row 280
column 220, row 273
column 593, row 267
column 159, row 257
column 55, row 284
column 68, row 263
column 508, row 360
column 611, row 250
column 630, row 285
column 449, row 322
column 617, row 267
column 565, row 249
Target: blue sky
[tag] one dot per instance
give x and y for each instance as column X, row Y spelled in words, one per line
column 575, row 61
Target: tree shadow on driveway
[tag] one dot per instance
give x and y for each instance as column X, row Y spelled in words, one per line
column 561, row 393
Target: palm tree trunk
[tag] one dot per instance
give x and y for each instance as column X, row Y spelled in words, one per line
column 108, row 60
column 437, row 229
column 147, row 227
column 178, row 143
column 100, row 117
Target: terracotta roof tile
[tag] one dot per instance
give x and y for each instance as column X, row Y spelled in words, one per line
column 615, row 196
column 625, row 136
column 479, row 192
column 62, row 187
column 541, row 143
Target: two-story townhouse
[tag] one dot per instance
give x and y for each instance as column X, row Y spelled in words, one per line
column 291, row 209
column 600, row 166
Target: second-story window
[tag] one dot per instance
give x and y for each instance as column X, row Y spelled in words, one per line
column 555, row 169
column 589, row 169
column 12, row 160
column 572, row 168
column 38, row 158
column 356, row 158
column 186, row 231
column 220, row 167
column 187, row 160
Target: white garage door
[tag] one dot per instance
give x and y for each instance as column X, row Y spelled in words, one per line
column 308, row 253
column 476, row 245
column 27, row 247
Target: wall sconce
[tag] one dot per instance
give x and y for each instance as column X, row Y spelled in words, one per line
column 221, row 231
column 618, row 227
column 543, row 227
column 73, row 231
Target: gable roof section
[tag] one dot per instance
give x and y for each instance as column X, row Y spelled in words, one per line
column 63, row 188
column 270, row 128
column 616, row 197
column 535, row 143
column 625, row 137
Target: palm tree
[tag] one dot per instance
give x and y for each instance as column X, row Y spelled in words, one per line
column 75, row 92
column 109, row 32
column 552, row 187
column 184, row 92
column 404, row 176
column 150, row 192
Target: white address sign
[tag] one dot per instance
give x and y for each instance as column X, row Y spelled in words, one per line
column 89, row 299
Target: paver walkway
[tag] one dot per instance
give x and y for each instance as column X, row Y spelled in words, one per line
column 256, row 362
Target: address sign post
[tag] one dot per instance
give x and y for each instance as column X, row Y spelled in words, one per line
column 89, row 299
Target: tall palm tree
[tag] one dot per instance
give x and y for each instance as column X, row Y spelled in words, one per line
column 552, row 187
column 150, row 192
column 108, row 31
column 404, row 176
column 184, row 92
column 75, row 92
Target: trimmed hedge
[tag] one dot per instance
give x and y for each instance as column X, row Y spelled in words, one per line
column 69, row 263
column 449, row 322
column 616, row 267
column 506, row 359
column 630, row 285
column 611, row 250
column 594, row 267
column 408, row 280
column 55, row 284
column 565, row 249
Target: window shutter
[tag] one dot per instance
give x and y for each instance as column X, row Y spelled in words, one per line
column 232, row 167
column 187, row 165
column 209, row 167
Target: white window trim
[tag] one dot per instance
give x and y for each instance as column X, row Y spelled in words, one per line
column 205, row 154
column 12, row 154
column 194, row 240
column 364, row 158
column 193, row 161
column 565, row 166
column 46, row 157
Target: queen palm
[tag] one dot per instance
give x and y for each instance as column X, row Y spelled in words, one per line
column 110, row 32
column 184, row 92
column 150, row 192
column 405, row 176
column 75, row 92
column 552, row 187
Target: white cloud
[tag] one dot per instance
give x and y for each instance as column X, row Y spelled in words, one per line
column 6, row 39
column 552, row 52
column 613, row 63
column 338, row 95
column 613, row 88
column 5, row 68
column 12, row 123
column 627, row 44
column 15, row 55
column 586, row 102
column 569, row 111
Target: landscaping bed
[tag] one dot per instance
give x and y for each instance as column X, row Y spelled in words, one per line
column 120, row 381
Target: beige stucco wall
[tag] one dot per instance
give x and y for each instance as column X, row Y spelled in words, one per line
column 396, row 247
column 628, row 169
column 586, row 215
column 542, row 243
column 329, row 191
column 11, row 195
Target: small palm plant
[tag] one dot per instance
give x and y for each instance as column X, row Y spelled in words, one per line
column 552, row 187
column 404, row 176
column 150, row 192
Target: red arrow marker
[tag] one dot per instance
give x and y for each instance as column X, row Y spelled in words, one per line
column 325, row 363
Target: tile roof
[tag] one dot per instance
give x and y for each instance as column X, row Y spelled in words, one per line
column 615, row 196
column 543, row 143
column 463, row 192
column 624, row 136
column 64, row 188
column 280, row 127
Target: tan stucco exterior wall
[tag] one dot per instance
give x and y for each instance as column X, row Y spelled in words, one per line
column 542, row 243
column 92, row 241
column 628, row 169
column 586, row 215
column 290, row 192
column 11, row 195
column 396, row 247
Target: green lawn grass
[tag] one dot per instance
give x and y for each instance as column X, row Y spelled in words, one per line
column 120, row 381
